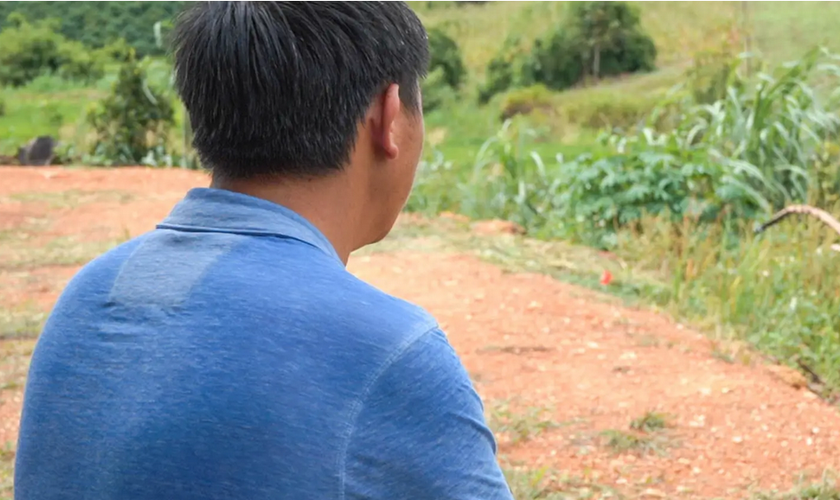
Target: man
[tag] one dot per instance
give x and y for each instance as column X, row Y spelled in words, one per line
column 228, row 354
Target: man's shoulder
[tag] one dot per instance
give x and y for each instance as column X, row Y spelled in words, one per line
column 335, row 298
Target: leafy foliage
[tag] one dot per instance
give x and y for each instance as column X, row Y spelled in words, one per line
column 437, row 92
column 31, row 50
column 133, row 120
column 514, row 66
column 446, row 72
column 527, row 100
column 746, row 155
column 97, row 24
column 715, row 68
column 611, row 38
column 597, row 38
column 446, row 55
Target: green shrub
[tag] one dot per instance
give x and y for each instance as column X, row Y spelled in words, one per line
column 77, row 63
column 31, row 50
column 436, row 91
column 559, row 60
column 28, row 51
column 117, row 51
column 610, row 37
column 96, row 24
column 132, row 120
column 527, row 100
column 610, row 109
column 2, row 106
column 512, row 67
column 714, row 69
column 446, row 55
column 743, row 157
column 596, row 38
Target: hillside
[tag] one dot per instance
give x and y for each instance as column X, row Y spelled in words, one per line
column 98, row 23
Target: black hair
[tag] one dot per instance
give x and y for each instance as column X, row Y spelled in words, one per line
column 279, row 88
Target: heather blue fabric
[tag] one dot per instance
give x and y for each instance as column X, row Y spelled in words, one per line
column 229, row 355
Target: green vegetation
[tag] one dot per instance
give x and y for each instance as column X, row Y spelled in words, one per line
column 597, row 39
column 650, row 422
column 98, row 24
column 519, row 427
column 133, row 121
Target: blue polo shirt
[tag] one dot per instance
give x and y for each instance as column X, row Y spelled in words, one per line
column 228, row 354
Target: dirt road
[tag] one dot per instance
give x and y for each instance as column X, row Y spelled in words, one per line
column 564, row 374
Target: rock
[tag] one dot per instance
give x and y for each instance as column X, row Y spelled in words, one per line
column 38, row 152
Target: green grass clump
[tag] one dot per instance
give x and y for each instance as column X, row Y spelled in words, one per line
column 650, row 422
column 520, row 427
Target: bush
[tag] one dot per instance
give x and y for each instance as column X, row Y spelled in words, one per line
column 714, row 69
column 446, row 55
column 32, row 50
column 559, row 60
column 96, row 24
column 78, row 64
column 514, row 66
column 743, row 157
column 133, row 120
column 436, row 91
column 597, row 39
column 608, row 109
column 527, row 100
column 609, row 36
column 2, row 107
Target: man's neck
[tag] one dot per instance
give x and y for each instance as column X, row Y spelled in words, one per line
column 320, row 201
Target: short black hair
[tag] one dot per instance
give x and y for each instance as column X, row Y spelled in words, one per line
column 279, row 88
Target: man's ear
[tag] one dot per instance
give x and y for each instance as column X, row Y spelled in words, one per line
column 386, row 122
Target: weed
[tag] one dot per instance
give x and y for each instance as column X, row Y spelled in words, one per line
column 650, row 422
column 71, row 198
column 62, row 251
column 520, row 427
column 623, row 442
column 550, row 484
column 826, row 488
column 7, row 464
column 21, row 322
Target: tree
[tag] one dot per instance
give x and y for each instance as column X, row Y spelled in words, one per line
column 133, row 119
column 445, row 54
column 610, row 37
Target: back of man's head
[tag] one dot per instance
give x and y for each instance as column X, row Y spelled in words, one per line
column 279, row 88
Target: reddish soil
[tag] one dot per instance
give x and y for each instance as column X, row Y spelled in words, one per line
column 524, row 338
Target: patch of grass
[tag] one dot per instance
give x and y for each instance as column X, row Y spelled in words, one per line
column 649, row 341
column 21, row 322
column 825, row 488
column 71, row 198
column 532, row 484
column 7, row 475
column 650, row 422
column 62, row 251
column 622, row 442
column 520, row 427
column 550, row 484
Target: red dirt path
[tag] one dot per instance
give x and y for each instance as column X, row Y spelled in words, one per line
column 525, row 338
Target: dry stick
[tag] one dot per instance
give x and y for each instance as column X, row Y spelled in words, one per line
column 823, row 216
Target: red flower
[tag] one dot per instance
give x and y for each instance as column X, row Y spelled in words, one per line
column 606, row 277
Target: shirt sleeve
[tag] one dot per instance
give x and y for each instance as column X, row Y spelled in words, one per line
column 421, row 433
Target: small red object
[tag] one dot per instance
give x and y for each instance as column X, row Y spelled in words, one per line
column 606, row 277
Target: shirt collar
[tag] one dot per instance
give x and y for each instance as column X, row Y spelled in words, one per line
column 222, row 211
